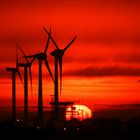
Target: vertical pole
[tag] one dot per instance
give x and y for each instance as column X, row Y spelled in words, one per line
column 56, row 106
column 40, row 100
column 13, row 97
column 52, row 106
column 25, row 96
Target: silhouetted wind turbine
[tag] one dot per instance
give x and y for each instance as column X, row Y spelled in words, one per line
column 14, row 71
column 41, row 57
column 58, row 54
column 27, row 68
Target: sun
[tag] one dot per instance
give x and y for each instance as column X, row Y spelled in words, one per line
column 80, row 112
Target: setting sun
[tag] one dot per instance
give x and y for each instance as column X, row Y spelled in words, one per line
column 79, row 112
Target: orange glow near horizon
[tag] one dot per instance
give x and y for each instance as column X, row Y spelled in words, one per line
column 91, row 91
column 102, row 66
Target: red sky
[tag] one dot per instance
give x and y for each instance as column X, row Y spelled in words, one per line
column 101, row 67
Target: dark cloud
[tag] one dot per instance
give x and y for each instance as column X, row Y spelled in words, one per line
column 128, row 58
column 104, row 71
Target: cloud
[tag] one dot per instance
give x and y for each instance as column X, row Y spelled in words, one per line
column 128, row 58
column 104, row 71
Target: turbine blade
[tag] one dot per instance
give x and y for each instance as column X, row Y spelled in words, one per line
column 69, row 44
column 32, row 61
column 23, row 54
column 16, row 57
column 19, row 75
column 51, row 38
column 30, row 75
column 60, row 66
column 48, row 67
column 47, row 42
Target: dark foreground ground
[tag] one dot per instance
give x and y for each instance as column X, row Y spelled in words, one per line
column 101, row 129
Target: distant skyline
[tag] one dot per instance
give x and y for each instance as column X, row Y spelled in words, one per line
column 101, row 67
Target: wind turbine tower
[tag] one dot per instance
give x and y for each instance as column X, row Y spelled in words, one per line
column 58, row 55
column 14, row 71
column 41, row 57
column 27, row 68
